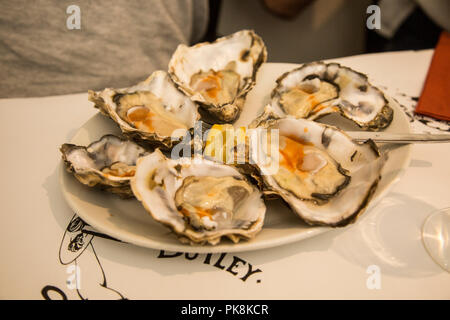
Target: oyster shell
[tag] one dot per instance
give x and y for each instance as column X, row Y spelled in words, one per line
column 219, row 75
column 200, row 200
column 152, row 112
column 324, row 176
column 316, row 89
column 108, row 163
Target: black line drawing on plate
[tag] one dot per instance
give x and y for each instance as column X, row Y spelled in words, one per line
column 77, row 249
column 415, row 118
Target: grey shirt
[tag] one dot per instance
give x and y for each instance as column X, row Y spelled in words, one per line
column 119, row 42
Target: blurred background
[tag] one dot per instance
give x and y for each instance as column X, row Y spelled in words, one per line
column 51, row 47
column 324, row 29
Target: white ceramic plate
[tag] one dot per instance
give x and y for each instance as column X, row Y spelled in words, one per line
column 127, row 220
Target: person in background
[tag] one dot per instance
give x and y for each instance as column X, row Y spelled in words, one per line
column 409, row 25
column 114, row 44
column 287, row 9
column 118, row 43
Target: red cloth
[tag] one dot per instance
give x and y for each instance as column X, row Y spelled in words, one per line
column 435, row 98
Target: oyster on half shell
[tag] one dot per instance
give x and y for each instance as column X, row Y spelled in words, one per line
column 219, row 75
column 152, row 112
column 200, row 200
column 108, row 163
column 316, row 89
column 325, row 177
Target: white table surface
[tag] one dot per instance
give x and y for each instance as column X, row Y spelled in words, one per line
column 331, row 265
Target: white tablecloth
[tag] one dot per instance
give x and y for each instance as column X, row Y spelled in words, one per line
column 332, row 265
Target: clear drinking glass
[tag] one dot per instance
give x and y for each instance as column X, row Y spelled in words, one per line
column 436, row 237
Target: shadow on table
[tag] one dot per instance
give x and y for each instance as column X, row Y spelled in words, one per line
column 390, row 237
column 417, row 163
column 60, row 209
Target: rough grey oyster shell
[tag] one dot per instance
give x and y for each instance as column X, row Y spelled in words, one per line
column 317, row 89
column 349, row 171
column 153, row 112
column 108, row 163
column 219, row 75
column 201, row 201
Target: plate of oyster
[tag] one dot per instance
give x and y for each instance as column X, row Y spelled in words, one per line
column 140, row 172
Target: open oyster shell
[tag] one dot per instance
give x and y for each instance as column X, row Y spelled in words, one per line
column 152, row 112
column 219, row 75
column 108, row 163
column 200, row 200
column 316, row 89
column 324, row 176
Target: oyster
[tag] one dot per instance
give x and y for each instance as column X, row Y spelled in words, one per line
column 108, row 163
column 316, row 89
column 219, row 75
column 324, row 176
column 153, row 112
column 200, row 200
